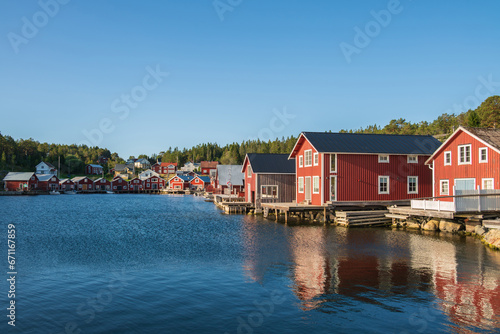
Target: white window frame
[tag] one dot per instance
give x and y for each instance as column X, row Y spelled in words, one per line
column 316, row 159
column 465, row 162
column 441, row 182
column 301, row 161
column 382, row 160
column 481, row 155
column 249, row 171
column 306, row 154
column 447, row 153
column 335, row 160
column 388, row 185
column 315, row 180
column 488, row 179
column 267, row 195
column 301, row 185
column 412, row 159
column 416, row 185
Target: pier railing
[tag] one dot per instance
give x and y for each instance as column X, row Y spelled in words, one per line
column 462, row 201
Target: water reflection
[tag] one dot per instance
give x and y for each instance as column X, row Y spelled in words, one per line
column 332, row 266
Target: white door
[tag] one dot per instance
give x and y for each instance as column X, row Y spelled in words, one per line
column 333, row 188
column 465, row 184
column 308, row 188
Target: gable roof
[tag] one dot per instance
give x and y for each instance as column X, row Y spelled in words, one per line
column 18, row 176
column 79, row 178
column 65, row 180
column 47, row 163
column 101, row 178
column 45, row 177
column 489, row 137
column 94, row 165
column 209, row 164
column 166, row 164
column 230, row 173
column 205, row 179
column 185, row 178
column 368, row 143
column 270, row 163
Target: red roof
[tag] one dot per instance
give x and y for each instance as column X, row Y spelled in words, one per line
column 166, row 164
column 209, row 164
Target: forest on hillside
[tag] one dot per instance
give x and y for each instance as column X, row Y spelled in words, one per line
column 25, row 154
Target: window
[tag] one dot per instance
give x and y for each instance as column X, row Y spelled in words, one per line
column 315, row 184
column 444, row 186
column 301, row 161
column 301, row 185
column 488, row 184
column 249, row 171
column 483, row 154
column 447, row 158
column 412, row 184
column 383, row 184
column 412, row 159
column 464, row 154
column 333, row 163
column 383, row 159
column 316, row 159
column 308, row 158
column 269, row 191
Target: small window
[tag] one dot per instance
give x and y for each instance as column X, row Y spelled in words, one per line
column 483, row 154
column 444, row 186
column 301, row 185
column 383, row 159
column 315, row 184
column 308, row 158
column 316, row 159
column 333, row 163
column 269, row 191
column 488, row 184
column 301, row 161
column 383, row 184
column 412, row 184
column 447, row 158
column 464, row 154
column 412, row 159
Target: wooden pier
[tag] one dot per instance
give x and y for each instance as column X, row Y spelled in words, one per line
column 301, row 210
column 363, row 218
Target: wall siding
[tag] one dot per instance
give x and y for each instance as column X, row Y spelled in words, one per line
column 286, row 188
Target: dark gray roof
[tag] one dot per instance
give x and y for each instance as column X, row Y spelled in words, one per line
column 271, row 163
column 491, row 136
column 372, row 143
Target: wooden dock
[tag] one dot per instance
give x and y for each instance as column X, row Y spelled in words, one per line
column 302, row 210
column 403, row 212
column 362, row 218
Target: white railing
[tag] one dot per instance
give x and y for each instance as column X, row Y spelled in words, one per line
column 463, row 201
column 432, row 205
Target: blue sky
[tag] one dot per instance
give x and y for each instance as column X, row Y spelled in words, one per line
column 234, row 68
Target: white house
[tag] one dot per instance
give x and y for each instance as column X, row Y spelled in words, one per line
column 147, row 174
column 190, row 166
column 45, row 168
column 142, row 163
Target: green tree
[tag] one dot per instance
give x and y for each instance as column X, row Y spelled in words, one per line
column 473, row 119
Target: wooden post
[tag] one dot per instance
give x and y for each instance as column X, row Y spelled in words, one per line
column 324, row 215
column 286, row 217
column 277, row 214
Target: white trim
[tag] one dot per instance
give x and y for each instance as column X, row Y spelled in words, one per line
column 301, row 161
column 383, row 161
column 465, row 155
column 488, row 179
column 333, row 171
column 322, row 186
column 301, row 178
column 315, row 179
column 480, row 155
column 441, row 187
column 315, row 155
column 333, row 177
column 408, row 184
column 305, row 158
column 388, row 185
column 444, row 160
column 298, row 139
column 267, row 195
column 310, row 190
column 408, row 160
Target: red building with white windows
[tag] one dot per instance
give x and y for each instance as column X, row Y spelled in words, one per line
column 208, row 168
column 469, row 159
column 102, row 184
column 119, row 184
column 136, row 184
column 94, row 170
column 180, row 182
column 66, row 185
column 48, row 182
column 17, row 181
column 200, row 182
column 165, row 168
column 154, row 183
column 83, row 183
column 362, row 167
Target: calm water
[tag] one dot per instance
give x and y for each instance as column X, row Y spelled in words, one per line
column 166, row 264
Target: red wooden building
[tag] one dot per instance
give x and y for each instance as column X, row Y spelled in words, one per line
column 136, row 184
column 66, row 185
column 165, row 168
column 269, row 178
column 180, row 182
column 154, row 183
column 468, row 160
column 102, row 184
column 48, row 182
column 14, row 181
column 209, row 168
column 200, row 182
column 119, row 184
column 229, row 179
column 94, row 169
column 362, row 167
column 83, row 183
